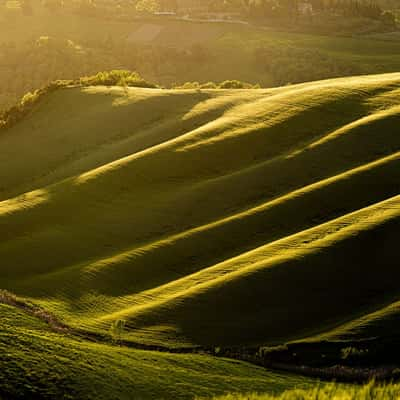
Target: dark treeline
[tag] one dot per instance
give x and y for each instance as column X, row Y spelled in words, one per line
column 317, row 8
column 257, row 10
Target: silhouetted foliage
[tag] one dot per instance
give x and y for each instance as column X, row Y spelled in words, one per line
column 116, row 78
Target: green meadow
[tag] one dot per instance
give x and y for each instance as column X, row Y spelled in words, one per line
column 43, row 364
column 205, row 217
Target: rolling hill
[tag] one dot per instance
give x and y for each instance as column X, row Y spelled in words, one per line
column 61, row 367
column 208, row 217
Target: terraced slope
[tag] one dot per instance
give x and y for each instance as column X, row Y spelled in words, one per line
column 206, row 217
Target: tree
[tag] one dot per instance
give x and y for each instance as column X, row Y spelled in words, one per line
column 388, row 18
column 117, row 329
column 148, row 6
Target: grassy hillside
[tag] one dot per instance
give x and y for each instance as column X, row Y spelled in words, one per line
column 211, row 217
column 36, row 362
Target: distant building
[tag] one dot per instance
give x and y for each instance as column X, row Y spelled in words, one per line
column 165, row 13
column 13, row 4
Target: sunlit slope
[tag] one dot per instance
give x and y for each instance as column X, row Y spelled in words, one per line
column 284, row 290
column 38, row 363
column 206, row 217
column 77, row 130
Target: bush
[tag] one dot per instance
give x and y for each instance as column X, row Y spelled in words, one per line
column 112, row 78
column 353, row 353
column 27, row 103
column 234, row 84
column 116, row 78
column 231, row 84
column 117, row 329
column 188, row 86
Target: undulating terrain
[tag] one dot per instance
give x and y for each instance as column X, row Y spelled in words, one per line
column 201, row 218
column 207, row 217
column 38, row 363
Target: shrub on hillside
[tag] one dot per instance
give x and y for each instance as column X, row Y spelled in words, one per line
column 188, row 85
column 117, row 330
column 116, row 78
column 353, row 354
column 230, row 84
column 209, row 85
column 112, row 78
column 14, row 114
column 234, row 84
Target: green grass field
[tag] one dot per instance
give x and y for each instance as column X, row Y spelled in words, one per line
column 36, row 362
column 201, row 217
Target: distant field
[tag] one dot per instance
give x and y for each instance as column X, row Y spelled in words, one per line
column 76, row 27
column 208, row 217
column 229, row 51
